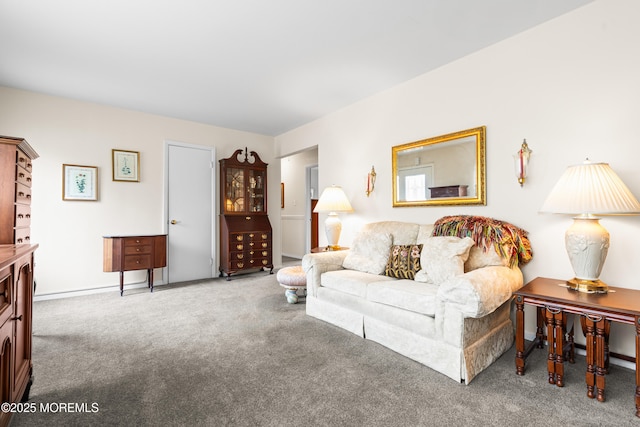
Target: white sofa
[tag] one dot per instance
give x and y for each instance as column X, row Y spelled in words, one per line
column 455, row 320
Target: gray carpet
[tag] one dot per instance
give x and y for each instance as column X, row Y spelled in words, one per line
column 234, row 353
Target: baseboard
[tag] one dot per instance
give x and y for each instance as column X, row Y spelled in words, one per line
column 530, row 336
column 92, row 291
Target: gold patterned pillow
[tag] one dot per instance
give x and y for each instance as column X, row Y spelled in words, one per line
column 404, row 261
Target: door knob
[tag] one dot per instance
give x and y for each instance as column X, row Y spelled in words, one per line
column 174, row 222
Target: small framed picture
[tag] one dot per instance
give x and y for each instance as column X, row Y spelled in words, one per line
column 126, row 165
column 79, row 182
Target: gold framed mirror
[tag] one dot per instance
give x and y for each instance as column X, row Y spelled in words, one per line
column 444, row 170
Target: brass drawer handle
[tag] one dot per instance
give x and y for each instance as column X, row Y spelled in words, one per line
column 239, row 256
column 240, row 265
column 264, row 245
column 264, row 236
column 239, row 247
column 239, row 238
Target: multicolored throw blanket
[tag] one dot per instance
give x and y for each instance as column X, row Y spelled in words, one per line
column 509, row 241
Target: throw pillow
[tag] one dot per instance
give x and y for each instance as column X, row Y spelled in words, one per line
column 369, row 252
column 442, row 258
column 404, row 261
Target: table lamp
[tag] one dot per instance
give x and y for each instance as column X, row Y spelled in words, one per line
column 589, row 189
column 333, row 200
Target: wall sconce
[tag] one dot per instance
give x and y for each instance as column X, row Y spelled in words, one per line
column 371, row 181
column 521, row 162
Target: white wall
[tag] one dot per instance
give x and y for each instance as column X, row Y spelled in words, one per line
column 294, row 225
column 70, row 232
column 569, row 86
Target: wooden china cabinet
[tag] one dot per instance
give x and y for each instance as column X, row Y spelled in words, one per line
column 245, row 230
column 16, row 271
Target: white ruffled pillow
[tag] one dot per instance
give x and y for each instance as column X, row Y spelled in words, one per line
column 369, row 252
column 442, row 258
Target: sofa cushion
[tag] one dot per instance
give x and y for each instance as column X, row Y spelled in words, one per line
column 369, row 253
column 351, row 282
column 403, row 233
column 403, row 262
column 442, row 258
column 405, row 294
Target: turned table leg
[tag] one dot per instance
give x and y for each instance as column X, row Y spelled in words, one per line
column 121, row 282
column 588, row 329
column 637, row 397
column 519, row 335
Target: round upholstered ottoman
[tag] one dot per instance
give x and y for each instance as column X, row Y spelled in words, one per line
column 292, row 279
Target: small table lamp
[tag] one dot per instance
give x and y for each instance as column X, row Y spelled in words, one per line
column 333, row 200
column 589, row 189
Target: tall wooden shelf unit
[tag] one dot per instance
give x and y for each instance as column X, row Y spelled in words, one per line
column 16, row 271
column 245, row 230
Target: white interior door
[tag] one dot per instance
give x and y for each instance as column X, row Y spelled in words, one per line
column 189, row 211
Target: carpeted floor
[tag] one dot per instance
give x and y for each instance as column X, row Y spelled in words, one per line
column 234, row 353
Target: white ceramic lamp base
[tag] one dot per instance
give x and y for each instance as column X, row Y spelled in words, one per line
column 587, row 244
column 333, row 227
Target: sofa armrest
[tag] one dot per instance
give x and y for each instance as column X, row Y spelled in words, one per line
column 479, row 292
column 315, row 264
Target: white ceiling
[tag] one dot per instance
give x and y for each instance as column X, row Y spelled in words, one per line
column 263, row 66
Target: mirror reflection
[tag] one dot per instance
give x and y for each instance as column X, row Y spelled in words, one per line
column 445, row 170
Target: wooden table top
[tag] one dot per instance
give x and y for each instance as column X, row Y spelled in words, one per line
column 620, row 300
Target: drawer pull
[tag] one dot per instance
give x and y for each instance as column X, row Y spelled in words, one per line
column 20, row 193
column 17, row 318
column 265, row 253
column 239, row 247
column 248, row 218
column 28, row 215
column 264, row 245
column 264, row 262
column 251, row 261
column 137, row 249
column 21, row 159
column 264, row 236
column 28, row 179
column 239, row 238
column 239, row 256
column 20, row 216
column 240, row 265
column 251, row 235
column 251, row 244
column 21, row 175
column 19, row 240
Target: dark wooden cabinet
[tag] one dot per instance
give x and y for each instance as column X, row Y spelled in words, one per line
column 16, row 270
column 16, row 156
column 245, row 230
column 127, row 253
column 16, row 296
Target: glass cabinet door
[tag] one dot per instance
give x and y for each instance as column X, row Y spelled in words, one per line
column 234, row 190
column 257, row 184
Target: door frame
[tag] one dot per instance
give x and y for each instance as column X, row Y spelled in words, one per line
column 307, row 210
column 214, row 202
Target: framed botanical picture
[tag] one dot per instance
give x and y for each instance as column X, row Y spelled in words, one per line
column 126, row 165
column 79, row 182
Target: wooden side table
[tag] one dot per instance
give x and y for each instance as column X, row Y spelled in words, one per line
column 554, row 299
column 328, row 249
column 127, row 253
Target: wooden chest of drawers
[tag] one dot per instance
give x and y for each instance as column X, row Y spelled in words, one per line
column 127, row 253
column 449, row 191
column 245, row 243
column 16, row 156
